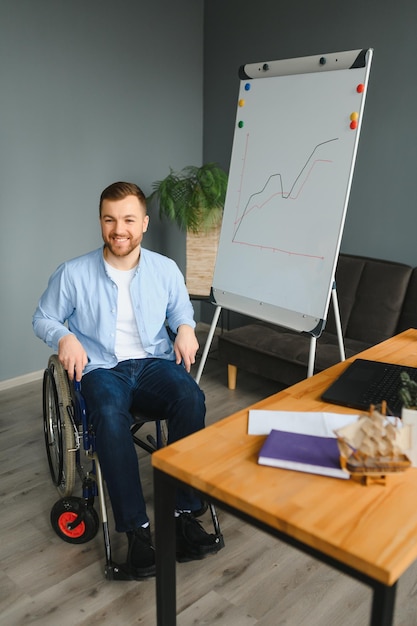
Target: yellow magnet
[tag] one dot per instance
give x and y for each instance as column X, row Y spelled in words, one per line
column 241, row 102
column 354, row 116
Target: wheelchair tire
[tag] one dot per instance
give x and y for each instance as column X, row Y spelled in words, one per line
column 66, row 511
column 58, row 428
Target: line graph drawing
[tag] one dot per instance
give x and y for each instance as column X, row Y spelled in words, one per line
column 293, row 194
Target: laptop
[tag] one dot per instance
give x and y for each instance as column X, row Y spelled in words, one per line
column 369, row 382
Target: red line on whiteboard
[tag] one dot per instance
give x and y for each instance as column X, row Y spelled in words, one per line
column 242, row 173
column 281, row 250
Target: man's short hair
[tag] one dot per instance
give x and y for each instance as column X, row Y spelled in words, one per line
column 120, row 190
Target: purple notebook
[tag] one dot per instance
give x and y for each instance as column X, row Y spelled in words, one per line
column 303, row 453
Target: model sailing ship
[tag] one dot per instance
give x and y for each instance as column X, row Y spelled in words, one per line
column 373, row 446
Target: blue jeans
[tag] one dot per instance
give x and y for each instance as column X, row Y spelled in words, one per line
column 157, row 388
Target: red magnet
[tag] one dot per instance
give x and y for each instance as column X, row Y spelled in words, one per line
column 360, row 88
column 353, row 124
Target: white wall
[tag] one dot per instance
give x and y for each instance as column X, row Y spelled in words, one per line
column 91, row 92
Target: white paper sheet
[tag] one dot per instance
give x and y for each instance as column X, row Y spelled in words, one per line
column 320, row 424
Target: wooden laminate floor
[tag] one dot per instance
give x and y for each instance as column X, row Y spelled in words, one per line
column 255, row 580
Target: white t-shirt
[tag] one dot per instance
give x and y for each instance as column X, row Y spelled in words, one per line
column 128, row 342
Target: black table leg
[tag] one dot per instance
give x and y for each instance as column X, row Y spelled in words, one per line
column 383, row 605
column 164, row 494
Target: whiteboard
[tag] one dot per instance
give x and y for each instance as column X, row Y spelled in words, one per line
column 296, row 134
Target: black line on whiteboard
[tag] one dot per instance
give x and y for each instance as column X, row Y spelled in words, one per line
column 284, row 196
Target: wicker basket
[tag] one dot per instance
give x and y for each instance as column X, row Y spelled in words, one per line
column 200, row 261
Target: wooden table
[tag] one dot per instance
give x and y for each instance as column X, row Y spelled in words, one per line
column 368, row 532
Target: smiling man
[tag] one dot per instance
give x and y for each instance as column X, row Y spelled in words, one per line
column 106, row 315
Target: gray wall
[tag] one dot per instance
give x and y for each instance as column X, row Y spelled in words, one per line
column 91, row 92
column 382, row 214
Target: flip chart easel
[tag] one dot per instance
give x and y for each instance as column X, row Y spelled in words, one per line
column 296, row 136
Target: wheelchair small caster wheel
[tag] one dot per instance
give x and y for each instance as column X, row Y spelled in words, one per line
column 74, row 521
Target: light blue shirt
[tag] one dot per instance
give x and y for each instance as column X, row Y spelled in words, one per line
column 81, row 299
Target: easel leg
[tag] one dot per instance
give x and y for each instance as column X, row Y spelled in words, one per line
column 208, row 343
column 311, row 356
column 338, row 323
column 313, row 340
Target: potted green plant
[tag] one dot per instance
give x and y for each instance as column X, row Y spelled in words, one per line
column 408, row 392
column 408, row 397
column 194, row 199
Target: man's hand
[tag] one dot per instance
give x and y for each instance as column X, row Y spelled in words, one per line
column 72, row 356
column 185, row 346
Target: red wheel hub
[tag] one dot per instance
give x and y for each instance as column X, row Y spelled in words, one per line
column 68, row 518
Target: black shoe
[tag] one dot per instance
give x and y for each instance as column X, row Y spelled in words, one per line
column 141, row 554
column 193, row 542
column 199, row 512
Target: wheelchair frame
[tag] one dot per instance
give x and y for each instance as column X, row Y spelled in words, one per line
column 70, row 449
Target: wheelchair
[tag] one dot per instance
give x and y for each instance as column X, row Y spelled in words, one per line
column 70, row 449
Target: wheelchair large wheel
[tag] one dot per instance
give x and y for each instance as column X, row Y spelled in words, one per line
column 65, row 513
column 58, row 428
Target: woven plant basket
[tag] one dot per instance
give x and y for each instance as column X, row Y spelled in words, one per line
column 200, row 261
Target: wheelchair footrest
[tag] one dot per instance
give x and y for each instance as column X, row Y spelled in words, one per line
column 220, row 539
column 116, row 572
column 121, row 572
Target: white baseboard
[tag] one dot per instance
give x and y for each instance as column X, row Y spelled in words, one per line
column 21, row 380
